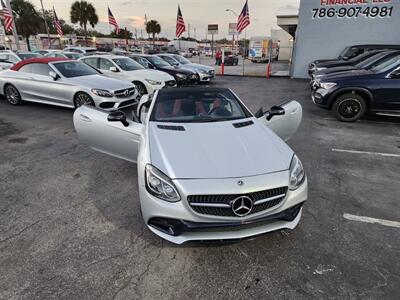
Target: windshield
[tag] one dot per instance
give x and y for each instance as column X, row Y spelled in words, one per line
column 127, row 64
column 155, row 60
column 73, row 55
column 368, row 61
column 363, row 56
column 343, row 53
column 72, row 69
column 198, row 107
column 24, row 56
column 387, row 64
column 170, row 60
column 182, row 60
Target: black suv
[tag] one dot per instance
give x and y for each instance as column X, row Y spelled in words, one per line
column 352, row 51
column 351, row 94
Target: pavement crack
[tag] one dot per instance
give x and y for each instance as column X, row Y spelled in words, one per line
column 20, row 232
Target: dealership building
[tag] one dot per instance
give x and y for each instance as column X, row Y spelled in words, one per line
column 325, row 27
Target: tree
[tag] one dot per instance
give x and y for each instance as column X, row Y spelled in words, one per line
column 27, row 19
column 83, row 13
column 153, row 27
column 122, row 34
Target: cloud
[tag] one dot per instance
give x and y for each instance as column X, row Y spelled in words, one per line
column 288, row 9
column 126, row 3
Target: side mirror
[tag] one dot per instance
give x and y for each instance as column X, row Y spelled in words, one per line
column 259, row 113
column 54, row 75
column 151, row 66
column 114, row 69
column 118, row 116
column 274, row 111
column 145, row 101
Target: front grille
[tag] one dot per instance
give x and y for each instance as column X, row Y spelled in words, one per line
column 125, row 93
column 243, row 124
column 171, row 127
column 127, row 103
column 170, row 83
column 220, row 205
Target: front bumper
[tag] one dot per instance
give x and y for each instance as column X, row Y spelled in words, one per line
column 194, row 226
column 206, row 77
column 320, row 97
column 114, row 102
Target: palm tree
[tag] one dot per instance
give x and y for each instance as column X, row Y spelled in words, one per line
column 83, row 13
column 27, row 19
column 154, row 28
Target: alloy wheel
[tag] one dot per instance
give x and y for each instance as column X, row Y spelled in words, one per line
column 82, row 99
column 349, row 108
column 12, row 95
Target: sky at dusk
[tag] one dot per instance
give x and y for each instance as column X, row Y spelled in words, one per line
column 197, row 13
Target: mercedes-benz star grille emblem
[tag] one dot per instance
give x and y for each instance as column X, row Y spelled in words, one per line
column 242, row 206
column 126, row 93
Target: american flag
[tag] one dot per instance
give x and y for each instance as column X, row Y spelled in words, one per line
column 180, row 24
column 112, row 21
column 243, row 19
column 57, row 24
column 7, row 16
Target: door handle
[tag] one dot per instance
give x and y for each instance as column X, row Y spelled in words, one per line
column 85, row 118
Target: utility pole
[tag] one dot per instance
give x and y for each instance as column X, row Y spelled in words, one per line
column 45, row 24
column 15, row 34
column 195, row 33
column 189, row 30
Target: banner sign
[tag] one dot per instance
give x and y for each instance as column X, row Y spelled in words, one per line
column 213, row 29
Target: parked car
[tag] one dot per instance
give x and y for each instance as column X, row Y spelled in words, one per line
column 182, row 76
column 124, row 68
column 63, row 54
column 351, row 94
column 204, row 73
column 64, row 82
column 364, row 64
column 230, row 59
column 351, row 52
column 8, row 58
column 249, row 182
column 79, row 49
column 341, row 63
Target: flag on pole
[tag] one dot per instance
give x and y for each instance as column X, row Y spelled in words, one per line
column 180, row 24
column 112, row 21
column 6, row 14
column 57, row 24
column 243, row 19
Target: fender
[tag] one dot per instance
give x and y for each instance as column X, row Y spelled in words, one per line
column 369, row 100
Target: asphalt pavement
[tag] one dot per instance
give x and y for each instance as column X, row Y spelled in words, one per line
column 70, row 223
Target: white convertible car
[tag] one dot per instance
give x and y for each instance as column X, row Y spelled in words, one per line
column 208, row 168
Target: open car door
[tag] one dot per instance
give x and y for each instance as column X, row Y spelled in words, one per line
column 285, row 125
column 99, row 131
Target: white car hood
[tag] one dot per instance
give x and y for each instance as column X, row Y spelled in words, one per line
column 203, row 67
column 100, row 82
column 217, row 150
column 151, row 74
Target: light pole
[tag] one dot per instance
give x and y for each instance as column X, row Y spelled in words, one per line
column 233, row 36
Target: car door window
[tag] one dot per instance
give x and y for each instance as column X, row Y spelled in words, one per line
column 12, row 59
column 105, row 64
column 41, row 69
column 92, row 61
column 26, row 69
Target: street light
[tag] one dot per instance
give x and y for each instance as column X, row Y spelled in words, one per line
column 232, row 11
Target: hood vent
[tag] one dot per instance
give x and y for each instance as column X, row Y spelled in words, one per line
column 171, row 127
column 243, row 124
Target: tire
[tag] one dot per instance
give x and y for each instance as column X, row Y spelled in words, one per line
column 141, row 88
column 349, row 107
column 82, row 98
column 12, row 94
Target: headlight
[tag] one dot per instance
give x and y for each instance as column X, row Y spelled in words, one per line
column 154, row 82
column 203, row 72
column 102, row 93
column 328, row 85
column 160, row 185
column 297, row 174
column 181, row 76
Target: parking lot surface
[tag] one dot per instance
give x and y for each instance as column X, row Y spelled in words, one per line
column 70, row 223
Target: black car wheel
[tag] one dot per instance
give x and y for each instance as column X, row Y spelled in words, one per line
column 140, row 87
column 349, row 107
column 82, row 99
column 12, row 95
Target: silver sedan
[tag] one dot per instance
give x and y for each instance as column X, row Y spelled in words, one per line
column 64, row 82
column 208, row 169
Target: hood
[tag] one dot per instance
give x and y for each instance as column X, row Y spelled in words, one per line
column 196, row 67
column 100, row 82
column 217, row 150
column 151, row 74
column 335, row 70
column 346, row 75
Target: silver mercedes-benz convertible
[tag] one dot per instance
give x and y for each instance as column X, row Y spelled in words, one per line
column 208, row 168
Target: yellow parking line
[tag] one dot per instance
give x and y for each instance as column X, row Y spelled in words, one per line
column 372, row 220
column 366, row 152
